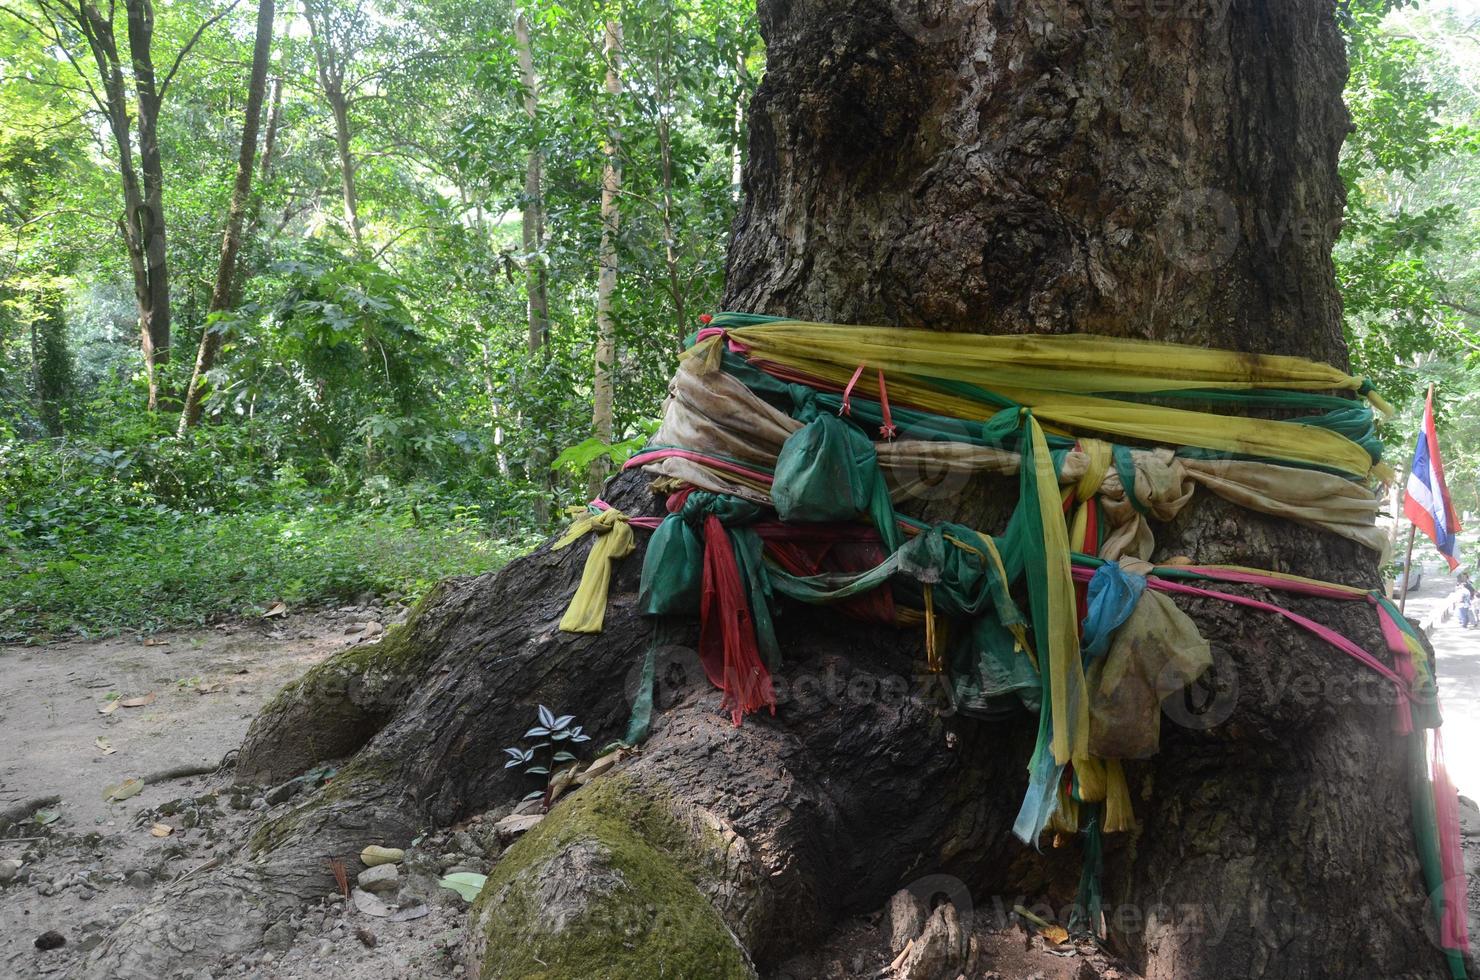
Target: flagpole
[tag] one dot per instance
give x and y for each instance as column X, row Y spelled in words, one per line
column 1407, row 570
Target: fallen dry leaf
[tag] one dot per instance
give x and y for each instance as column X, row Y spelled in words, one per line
column 1055, row 934
column 276, row 609
column 138, row 702
column 124, row 790
column 152, row 642
column 415, row 912
column 370, row 905
column 161, row 830
column 104, row 745
column 212, row 688
column 108, row 708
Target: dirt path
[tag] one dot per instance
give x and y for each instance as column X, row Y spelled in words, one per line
column 96, row 861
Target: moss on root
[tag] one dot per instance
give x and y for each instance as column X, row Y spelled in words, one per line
column 631, row 911
column 360, row 772
column 338, row 705
column 396, row 654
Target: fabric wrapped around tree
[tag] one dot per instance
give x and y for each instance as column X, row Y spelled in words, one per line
column 763, row 420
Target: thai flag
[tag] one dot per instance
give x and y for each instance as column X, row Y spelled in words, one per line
column 1426, row 500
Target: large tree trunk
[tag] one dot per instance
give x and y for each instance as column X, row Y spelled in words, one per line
column 221, row 293
column 997, row 165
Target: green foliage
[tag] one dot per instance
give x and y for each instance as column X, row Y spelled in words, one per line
column 149, row 569
column 551, row 739
column 159, row 531
column 1411, row 164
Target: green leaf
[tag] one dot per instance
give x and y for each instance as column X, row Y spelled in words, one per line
column 465, row 883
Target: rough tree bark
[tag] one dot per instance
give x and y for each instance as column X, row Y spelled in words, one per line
column 221, row 293
column 995, row 165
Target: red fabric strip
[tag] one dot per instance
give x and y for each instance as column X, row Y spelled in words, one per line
column 727, row 646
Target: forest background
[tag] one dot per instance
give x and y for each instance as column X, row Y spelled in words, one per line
column 302, row 303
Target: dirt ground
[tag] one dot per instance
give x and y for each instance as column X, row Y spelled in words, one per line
column 79, row 719
column 97, row 861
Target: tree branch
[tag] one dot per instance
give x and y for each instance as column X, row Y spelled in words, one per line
column 204, row 26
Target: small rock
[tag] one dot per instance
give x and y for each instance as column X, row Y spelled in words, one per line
column 139, row 879
column 376, row 855
column 354, row 628
column 367, row 937
column 283, row 792
column 445, row 861
column 259, row 804
column 279, row 936
column 381, row 878
column 464, row 842
column 9, row 868
column 51, row 939
column 373, row 628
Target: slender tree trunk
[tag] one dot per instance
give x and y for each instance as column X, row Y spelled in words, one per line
column 536, row 274
column 149, row 218
column 269, row 138
column 246, row 161
column 670, row 243
column 737, row 145
column 603, row 385
column 339, row 106
column 141, row 226
column 330, row 61
column 996, row 166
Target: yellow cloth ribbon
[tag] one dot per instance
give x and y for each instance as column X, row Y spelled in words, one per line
column 614, row 540
column 1057, row 376
column 1070, row 706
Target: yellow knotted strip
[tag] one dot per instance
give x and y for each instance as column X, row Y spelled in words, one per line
column 614, row 539
column 1099, row 455
column 1070, row 706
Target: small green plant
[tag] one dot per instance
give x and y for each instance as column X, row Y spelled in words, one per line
column 545, row 758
